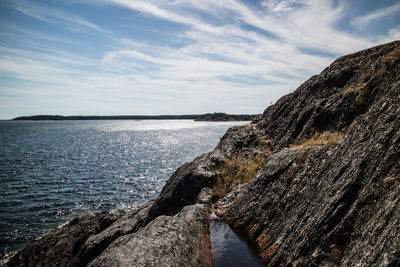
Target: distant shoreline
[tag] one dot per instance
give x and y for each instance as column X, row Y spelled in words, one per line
column 196, row 117
column 118, row 117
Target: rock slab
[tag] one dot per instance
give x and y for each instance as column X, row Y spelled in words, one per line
column 167, row 241
column 337, row 205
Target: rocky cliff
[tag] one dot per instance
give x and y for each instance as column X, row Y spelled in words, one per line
column 329, row 192
column 325, row 194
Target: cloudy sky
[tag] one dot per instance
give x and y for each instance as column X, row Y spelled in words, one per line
column 109, row 57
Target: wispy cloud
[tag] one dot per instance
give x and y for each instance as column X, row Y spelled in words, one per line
column 228, row 50
column 49, row 15
column 363, row 21
column 147, row 7
column 244, row 55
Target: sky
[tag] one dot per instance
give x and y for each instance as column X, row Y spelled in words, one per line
column 127, row 57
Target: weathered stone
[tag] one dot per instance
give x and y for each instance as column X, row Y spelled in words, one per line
column 128, row 223
column 81, row 240
column 61, row 245
column 184, row 185
column 167, row 241
column 335, row 205
column 239, row 141
column 204, row 196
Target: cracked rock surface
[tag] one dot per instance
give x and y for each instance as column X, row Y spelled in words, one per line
column 337, row 205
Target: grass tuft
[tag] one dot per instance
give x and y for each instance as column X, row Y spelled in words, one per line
column 358, row 89
column 391, row 58
column 392, row 179
column 234, row 172
column 326, row 139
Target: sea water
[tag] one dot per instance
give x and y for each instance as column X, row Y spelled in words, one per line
column 51, row 171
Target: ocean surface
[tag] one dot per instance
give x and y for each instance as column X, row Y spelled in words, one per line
column 51, row 171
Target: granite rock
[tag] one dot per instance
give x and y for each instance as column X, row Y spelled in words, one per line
column 81, row 239
column 332, row 205
column 180, row 240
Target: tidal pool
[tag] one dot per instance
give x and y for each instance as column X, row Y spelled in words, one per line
column 228, row 248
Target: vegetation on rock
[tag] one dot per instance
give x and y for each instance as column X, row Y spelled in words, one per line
column 312, row 206
column 234, row 172
column 326, row 139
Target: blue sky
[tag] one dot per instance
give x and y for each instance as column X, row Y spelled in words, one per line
column 111, row 57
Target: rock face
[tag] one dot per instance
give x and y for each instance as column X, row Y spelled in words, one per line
column 328, row 194
column 329, row 205
column 166, row 241
column 184, row 186
column 120, row 239
column 81, row 240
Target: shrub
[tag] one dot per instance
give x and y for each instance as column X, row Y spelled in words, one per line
column 234, row 172
column 355, row 89
column 326, row 139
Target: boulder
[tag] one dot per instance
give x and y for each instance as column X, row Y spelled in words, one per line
column 180, row 240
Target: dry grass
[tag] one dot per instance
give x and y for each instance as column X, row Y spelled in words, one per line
column 392, row 179
column 233, row 172
column 391, row 59
column 326, row 139
column 387, row 62
column 265, row 150
column 351, row 126
column 353, row 123
column 299, row 262
column 266, row 145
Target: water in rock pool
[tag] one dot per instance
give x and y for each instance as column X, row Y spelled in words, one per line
column 52, row 171
column 228, row 248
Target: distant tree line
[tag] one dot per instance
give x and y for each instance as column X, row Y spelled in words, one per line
column 225, row 117
column 203, row 117
column 119, row 117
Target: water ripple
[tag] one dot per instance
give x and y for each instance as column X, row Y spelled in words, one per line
column 52, row 171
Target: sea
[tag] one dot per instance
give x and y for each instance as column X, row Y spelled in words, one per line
column 52, row 171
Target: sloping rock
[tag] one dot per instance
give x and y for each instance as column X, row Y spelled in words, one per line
column 128, row 223
column 204, row 196
column 240, row 141
column 180, row 240
column 186, row 183
column 336, row 205
column 61, row 245
column 81, row 240
column 183, row 187
column 331, row 100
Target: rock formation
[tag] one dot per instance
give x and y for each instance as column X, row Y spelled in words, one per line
column 334, row 201
column 328, row 194
column 166, row 241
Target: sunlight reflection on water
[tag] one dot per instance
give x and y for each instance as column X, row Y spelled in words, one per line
column 51, row 171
